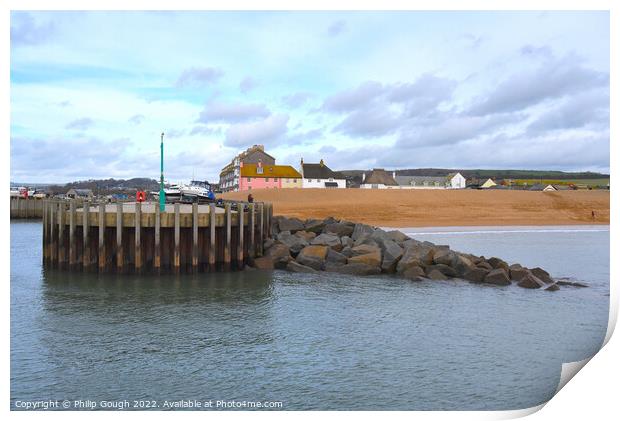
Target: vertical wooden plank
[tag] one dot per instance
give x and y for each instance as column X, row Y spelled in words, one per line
column 270, row 219
column 195, row 237
column 44, row 234
column 72, row 221
column 53, row 231
column 86, row 256
column 261, row 226
column 240, row 257
column 102, row 250
column 212, row 237
column 177, row 238
column 157, row 248
column 227, row 248
column 61, row 237
column 252, row 222
column 138, row 231
column 120, row 258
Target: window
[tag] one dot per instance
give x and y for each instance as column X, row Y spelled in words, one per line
column 267, row 180
column 249, row 187
column 294, row 180
column 249, row 179
column 259, row 170
column 275, row 179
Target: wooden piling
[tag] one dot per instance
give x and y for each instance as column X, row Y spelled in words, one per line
column 138, row 231
column 261, row 226
column 211, row 237
column 177, row 238
column 53, row 232
column 61, row 235
column 120, row 259
column 227, row 245
column 86, row 256
column 195, row 237
column 102, row 250
column 44, row 236
column 252, row 222
column 157, row 247
column 240, row 257
column 72, row 222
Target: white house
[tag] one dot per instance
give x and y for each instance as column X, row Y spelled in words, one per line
column 378, row 179
column 320, row 176
column 457, row 181
column 451, row 181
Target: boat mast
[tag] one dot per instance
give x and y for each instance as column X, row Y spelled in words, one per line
column 162, row 193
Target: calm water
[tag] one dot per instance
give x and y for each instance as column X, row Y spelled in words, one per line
column 311, row 342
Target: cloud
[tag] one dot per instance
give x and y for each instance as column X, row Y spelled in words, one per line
column 312, row 134
column 534, row 51
column 553, row 79
column 353, row 99
column 265, row 131
column 174, row 133
column 205, row 130
column 232, row 112
column 25, row 31
column 588, row 109
column 247, row 84
column 336, row 28
column 198, row 77
column 136, row 119
column 369, row 122
column 296, row 100
column 80, row 124
column 63, row 104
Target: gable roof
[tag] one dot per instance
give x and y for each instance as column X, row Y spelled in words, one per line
column 319, row 171
column 380, row 176
column 279, row 171
column 418, row 180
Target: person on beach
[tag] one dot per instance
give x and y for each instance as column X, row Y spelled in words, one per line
column 250, row 198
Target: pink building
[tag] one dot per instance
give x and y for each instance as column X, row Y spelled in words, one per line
column 259, row 176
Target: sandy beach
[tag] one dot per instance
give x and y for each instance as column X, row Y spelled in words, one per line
column 424, row 208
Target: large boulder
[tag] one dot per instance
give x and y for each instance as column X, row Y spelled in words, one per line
column 497, row 263
column 293, row 266
column 335, row 257
column 364, row 249
column 314, row 225
column 475, row 274
column 329, row 240
column 497, row 277
column 359, row 269
column 293, row 242
column 264, row 262
column 361, row 229
column 553, row 287
column 392, row 253
column 484, row 264
column 347, row 251
column 290, row 224
column 414, row 273
column 313, row 256
column 339, row 229
column 463, row 264
column 397, row 236
column 530, row 281
column 415, row 255
column 445, row 257
column 346, row 241
column 306, row 235
column 543, row 275
column 436, row 275
column 279, row 254
column 519, row 273
column 445, row 269
column 372, row 258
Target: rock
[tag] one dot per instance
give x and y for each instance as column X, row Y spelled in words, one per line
column 436, row 275
column 361, row 229
column 463, row 264
column 314, row 225
column 364, row 249
column 445, row 269
column 543, row 275
column 497, row 277
column 365, row 239
column 347, row 251
column 338, row 229
column 392, row 253
column 293, row 266
column 518, row 273
column 333, row 266
column 313, row 256
column 290, row 224
column 415, row 273
column 397, row 236
column 279, row 254
column 445, row 257
column 371, row 259
column 329, row 240
column 497, row 263
column 553, row 287
column 335, row 257
column 268, row 243
column 295, row 243
column 483, row 264
column 530, row 281
column 329, row 220
column 308, row 236
column 515, row 266
column 346, row 241
column 571, row 284
column 379, row 236
column 264, row 262
column 359, row 269
column 415, row 255
column 475, row 274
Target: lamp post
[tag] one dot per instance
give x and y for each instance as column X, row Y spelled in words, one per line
column 162, row 193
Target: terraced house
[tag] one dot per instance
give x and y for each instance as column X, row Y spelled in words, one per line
column 259, row 176
column 231, row 173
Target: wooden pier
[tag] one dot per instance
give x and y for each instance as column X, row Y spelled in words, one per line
column 136, row 237
column 26, row 208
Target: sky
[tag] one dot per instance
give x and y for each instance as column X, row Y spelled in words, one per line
column 91, row 92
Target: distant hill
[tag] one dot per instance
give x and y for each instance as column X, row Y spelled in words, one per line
column 108, row 186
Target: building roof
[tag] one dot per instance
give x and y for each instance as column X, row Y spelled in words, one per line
column 279, row 171
column 409, row 180
column 319, row 171
column 82, row 192
column 380, row 176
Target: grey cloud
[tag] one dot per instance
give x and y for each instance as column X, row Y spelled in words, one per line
column 80, row 124
column 353, row 99
column 369, row 122
column 265, row 131
column 136, row 119
column 199, row 76
column 553, row 79
column 174, row 133
column 534, row 51
column 25, row 31
column 336, row 28
column 247, row 84
column 297, row 99
column 328, row 149
column 232, row 112
column 63, row 104
column 205, row 130
column 306, row 136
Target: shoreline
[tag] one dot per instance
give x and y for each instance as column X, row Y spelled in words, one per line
column 439, row 208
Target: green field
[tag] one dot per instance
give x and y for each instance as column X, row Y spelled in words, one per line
column 594, row 182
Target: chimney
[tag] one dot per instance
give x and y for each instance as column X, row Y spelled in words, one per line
column 363, row 176
column 240, row 164
column 302, row 161
column 394, row 175
column 260, row 163
column 322, row 163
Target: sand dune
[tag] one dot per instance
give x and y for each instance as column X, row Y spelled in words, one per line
column 417, row 208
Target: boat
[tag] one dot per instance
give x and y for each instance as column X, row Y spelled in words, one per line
column 197, row 189
column 172, row 191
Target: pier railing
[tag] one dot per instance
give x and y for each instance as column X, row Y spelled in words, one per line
column 119, row 237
